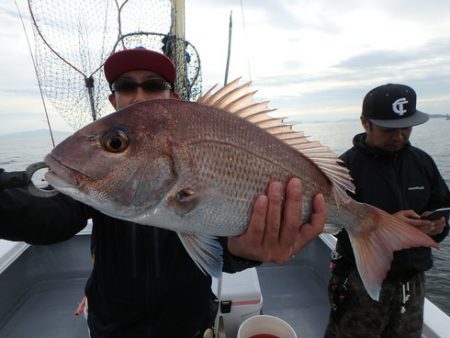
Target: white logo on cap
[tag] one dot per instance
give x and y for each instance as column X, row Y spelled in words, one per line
column 397, row 106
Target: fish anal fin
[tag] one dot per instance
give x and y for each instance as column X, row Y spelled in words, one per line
column 331, row 228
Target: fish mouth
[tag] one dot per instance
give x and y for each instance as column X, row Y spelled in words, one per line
column 61, row 176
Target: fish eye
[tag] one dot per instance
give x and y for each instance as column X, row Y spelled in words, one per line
column 115, row 141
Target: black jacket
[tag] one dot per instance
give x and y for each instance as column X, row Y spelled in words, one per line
column 143, row 284
column 393, row 181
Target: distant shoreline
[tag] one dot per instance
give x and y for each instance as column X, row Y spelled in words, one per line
column 297, row 121
column 63, row 133
column 38, row 133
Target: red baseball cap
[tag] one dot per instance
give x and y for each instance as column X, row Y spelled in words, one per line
column 136, row 59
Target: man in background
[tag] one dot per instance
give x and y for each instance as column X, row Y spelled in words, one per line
column 403, row 180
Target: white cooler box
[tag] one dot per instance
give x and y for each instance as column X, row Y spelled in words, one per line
column 240, row 298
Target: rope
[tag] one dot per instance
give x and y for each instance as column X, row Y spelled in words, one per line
column 37, row 77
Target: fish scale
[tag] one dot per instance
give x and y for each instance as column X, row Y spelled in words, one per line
column 264, row 156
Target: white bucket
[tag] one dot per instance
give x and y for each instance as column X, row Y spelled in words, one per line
column 265, row 324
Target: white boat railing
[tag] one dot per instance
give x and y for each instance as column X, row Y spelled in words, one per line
column 9, row 252
column 436, row 323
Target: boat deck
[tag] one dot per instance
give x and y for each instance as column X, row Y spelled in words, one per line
column 297, row 291
column 48, row 311
column 40, row 291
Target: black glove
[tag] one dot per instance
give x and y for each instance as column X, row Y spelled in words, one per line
column 13, row 179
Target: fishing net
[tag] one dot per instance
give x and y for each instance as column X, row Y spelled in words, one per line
column 74, row 38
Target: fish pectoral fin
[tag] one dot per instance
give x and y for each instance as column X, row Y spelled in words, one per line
column 182, row 200
column 205, row 251
column 373, row 248
column 187, row 199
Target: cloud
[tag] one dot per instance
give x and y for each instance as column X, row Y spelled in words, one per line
column 314, row 59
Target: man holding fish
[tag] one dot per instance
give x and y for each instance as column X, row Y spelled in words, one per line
column 144, row 283
column 403, row 180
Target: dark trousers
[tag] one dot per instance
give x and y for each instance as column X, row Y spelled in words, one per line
column 398, row 314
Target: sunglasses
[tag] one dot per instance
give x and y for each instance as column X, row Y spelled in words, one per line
column 128, row 86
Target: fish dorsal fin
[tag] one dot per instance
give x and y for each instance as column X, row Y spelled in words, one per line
column 238, row 100
column 211, row 98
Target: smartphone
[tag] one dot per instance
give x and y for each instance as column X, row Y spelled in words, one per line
column 438, row 213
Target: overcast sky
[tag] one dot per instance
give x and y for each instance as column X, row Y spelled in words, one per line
column 314, row 60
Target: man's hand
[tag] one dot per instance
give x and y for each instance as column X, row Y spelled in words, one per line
column 274, row 233
column 431, row 228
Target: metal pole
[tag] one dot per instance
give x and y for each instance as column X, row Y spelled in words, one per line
column 178, row 30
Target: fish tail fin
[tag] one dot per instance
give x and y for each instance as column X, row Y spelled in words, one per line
column 374, row 242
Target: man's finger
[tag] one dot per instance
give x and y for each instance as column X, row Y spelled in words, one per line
column 310, row 231
column 320, row 213
column 249, row 244
column 273, row 216
column 292, row 213
column 256, row 227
